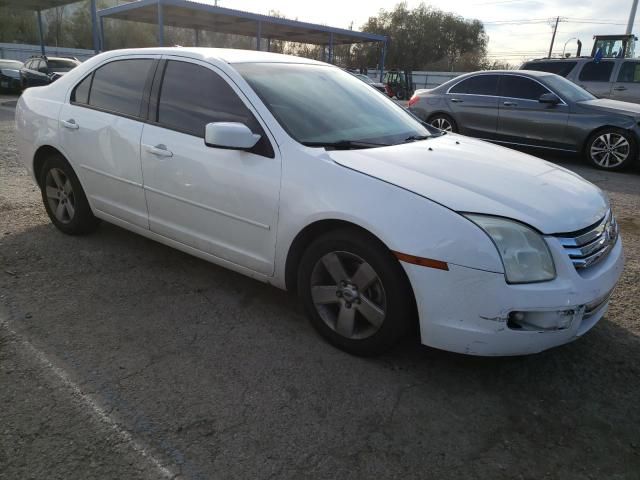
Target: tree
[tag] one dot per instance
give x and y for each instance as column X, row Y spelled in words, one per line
column 55, row 21
column 424, row 38
column 18, row 26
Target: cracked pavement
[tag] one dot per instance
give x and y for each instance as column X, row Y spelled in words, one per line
column 123, row 358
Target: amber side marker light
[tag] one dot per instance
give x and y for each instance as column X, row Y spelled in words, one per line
column 423, row 262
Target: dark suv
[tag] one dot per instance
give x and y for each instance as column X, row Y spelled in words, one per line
column 42, row 70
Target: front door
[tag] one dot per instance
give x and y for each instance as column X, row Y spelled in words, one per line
column 524, row 120
column 100, row 129
column 219, row 201
column 474, row 105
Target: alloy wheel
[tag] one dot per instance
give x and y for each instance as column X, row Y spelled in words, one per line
column 60, row 195
column 610, row 150
column 348, row 295
column 442, row 124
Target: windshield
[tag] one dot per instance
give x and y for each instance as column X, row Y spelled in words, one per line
column 567, row 90
column 10, row 64
column 320, row 104
column 61, row 66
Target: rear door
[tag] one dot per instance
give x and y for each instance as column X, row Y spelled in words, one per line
column 100, row 130
column 627, row 84
column 474, row 104
column 596, row 77
column 524, row 120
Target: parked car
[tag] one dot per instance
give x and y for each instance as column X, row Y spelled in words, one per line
column 297, row 174
column 534, row 110
column 42, row 70
column 616, row 78
column 10, row 75
column 377, row 85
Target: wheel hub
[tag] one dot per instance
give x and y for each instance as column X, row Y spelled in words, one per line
column 349, row 293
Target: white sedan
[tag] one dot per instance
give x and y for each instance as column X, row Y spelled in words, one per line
column 300, row 175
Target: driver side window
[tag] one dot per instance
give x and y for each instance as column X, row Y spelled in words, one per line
column 191, row 96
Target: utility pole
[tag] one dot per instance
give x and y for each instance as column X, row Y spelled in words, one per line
column 555, row 29
column 632, row 17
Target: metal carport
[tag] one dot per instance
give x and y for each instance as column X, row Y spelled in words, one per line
column 39, row 5
column 201, row 16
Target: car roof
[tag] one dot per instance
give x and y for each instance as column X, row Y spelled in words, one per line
column 532, row 73
column 563, row 60
column 226, row 55
column 527, row 73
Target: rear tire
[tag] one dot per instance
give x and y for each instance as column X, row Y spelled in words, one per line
column 443, row 122
column 64, row 199
column 355, row 292
column 611, row 149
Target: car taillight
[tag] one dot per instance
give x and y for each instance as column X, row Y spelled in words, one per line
column 413, row 100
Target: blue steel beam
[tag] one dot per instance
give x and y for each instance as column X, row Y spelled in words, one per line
column 94, row 26
column 160, row 24
column 382, row 56
column 331, row 47
column 102, row 46
column 40, row 32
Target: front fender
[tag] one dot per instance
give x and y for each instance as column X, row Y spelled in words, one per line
column 315, row 188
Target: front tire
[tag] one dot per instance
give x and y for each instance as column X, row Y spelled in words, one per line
column 64, row 199
column 611, row 149
column 355, row 292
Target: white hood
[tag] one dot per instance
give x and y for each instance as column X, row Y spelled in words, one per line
column 469, row 175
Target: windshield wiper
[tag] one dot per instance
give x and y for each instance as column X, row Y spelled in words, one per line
column 415, row 138
column 345, row 144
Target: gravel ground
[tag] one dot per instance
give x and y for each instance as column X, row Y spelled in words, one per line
column 122, row 358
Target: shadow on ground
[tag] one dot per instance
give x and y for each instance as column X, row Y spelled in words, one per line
column 223, row 376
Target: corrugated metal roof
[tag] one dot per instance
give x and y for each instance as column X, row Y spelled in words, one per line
column 205, row 16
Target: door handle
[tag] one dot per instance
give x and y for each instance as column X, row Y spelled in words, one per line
column 159, row 150
column 510, row 104
column 620, row 88
column 70, row 124
column 456, row 100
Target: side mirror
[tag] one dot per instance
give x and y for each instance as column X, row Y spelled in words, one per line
column 549, row 98
column 231, row 135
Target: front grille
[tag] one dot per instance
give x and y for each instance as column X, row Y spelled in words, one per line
column 591, row 245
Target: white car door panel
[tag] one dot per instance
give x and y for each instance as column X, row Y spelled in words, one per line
column 220, row 201
column 105, row 150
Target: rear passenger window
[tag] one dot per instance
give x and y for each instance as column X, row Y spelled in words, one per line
column 558, row 67
column 119, row 86
column 478, row 85
column 596, row 72
column 81, row 93
column 630, row 72
column 520, row 87
column 192, row 96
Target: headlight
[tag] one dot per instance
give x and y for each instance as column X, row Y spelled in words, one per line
column 525, row 255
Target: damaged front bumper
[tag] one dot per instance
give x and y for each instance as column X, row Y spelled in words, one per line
column 476, row 312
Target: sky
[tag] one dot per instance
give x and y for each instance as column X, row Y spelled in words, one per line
column 526, row 33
